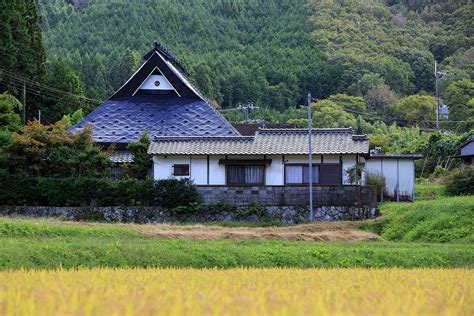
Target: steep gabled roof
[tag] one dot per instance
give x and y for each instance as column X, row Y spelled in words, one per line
column 266, row 142
column 157, row 99
column 125, row 120
column 168, row 66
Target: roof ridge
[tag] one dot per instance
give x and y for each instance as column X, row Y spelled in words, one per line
column 305, row 130
column 191, row 138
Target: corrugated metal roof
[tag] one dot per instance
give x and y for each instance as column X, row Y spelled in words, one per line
column 125, row 120
column 265, row 142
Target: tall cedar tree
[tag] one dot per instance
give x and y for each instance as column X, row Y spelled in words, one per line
column 21, row 45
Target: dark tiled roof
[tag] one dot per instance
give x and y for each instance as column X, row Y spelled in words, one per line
column 266, row 142
column 249, row 129
column 122, row 156
column 467, row 141
column 125, row 120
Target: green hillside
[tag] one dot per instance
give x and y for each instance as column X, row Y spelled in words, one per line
column 240, row 51
column 267, row 51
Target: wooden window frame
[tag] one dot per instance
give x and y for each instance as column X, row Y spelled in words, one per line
column 260, row 184
column 182, row 165
column 307, row 165
column 302, row 174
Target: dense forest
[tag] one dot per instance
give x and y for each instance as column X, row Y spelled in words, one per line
column 368, row 64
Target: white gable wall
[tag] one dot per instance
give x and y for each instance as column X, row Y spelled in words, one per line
column 149, row 83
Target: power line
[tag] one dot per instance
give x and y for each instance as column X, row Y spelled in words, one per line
column 43, row 87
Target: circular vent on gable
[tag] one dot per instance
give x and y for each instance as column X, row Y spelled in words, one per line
column 157, row 83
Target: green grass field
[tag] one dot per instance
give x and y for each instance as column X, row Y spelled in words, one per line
column 449, row 219
column 29, row 243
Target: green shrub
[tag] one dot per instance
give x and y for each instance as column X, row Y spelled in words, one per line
column 172, row 193
column 36, row 191
column 461, row 181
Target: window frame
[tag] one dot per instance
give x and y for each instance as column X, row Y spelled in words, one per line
column 244, row 184
column 182, row 165
column 302, row 173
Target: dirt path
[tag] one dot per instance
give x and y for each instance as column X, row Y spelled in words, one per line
column 320, row 231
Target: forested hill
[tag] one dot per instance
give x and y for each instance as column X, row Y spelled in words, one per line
column 258, row 50
column 270, row 52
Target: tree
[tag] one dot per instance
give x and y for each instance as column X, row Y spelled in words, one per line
column 9, row 119
column 459, row 96
column 62, row 77
column 53, row 151
column 73, row 118
column 380, row 97
column 349, row 103
column 21, row 43
column 327, row 114
column 141, row 161
column 417, row 109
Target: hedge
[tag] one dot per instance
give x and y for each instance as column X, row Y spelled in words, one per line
column 37, row 191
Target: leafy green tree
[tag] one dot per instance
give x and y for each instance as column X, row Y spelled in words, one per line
column 73, row 118
column 53, row 151
column 9, row 119
column 142, row 162
column 327, row 113
column 349, row 103
column 459, row 96
column 417, row 109
column 63, row 77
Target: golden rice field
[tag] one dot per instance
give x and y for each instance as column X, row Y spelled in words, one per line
column 238, row 292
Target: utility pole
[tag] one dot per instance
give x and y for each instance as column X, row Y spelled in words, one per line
column 310, row 160
column 246, row 108
column 24, row 102
column 439, row 103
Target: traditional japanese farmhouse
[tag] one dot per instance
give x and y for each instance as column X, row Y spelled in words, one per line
column 159, row 100
column 192, row 140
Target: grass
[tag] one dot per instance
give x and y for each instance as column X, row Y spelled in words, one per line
column 449, row 219
column 40, row 244
column 426, row 189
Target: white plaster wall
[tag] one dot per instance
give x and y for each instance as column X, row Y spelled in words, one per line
column 348, row 162
column 275, row 172
column 163, row 167
column 301, row 159
column 198, row 169
column 149, row 83
column 331, row 159
column 216, row 171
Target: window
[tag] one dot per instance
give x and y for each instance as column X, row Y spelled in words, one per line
column 246, row 174
column 299, row 174
column 181, row 170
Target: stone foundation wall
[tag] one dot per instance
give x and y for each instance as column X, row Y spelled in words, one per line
column 346, row 196
column 142, row 215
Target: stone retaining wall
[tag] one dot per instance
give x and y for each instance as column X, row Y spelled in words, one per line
column 218, row 213
column 347, row 195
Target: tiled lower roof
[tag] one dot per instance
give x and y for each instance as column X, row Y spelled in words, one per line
column 265, row 142
column 123, row 156
column 125, row 120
